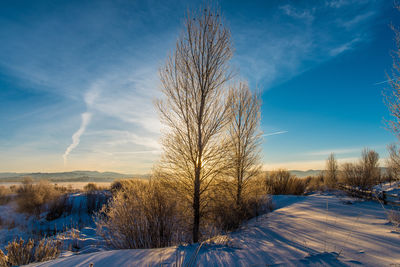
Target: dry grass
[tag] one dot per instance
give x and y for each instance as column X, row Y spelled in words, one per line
column 315, row 183
column 5, row 193
column 140, row 215
column 90, row 187
column 19, row 252
column 225, row 215
column 47, row 249
column 32, row 198
column 22, row 253
column 281, row 182
column 3, row 259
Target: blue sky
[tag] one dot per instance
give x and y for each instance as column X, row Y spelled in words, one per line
column 78, row 79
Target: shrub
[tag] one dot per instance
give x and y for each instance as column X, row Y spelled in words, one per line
column 3, row 259
column 394, row 218
column 281, row 182
column 58, row 207
column 21, row 253
column 227, row 216
column 119, row 185
column 47, row 249
column 33, row 197
column 315, row 183
column 90, row 187
column 4, row 195
column 364, row 174
column 140, row 215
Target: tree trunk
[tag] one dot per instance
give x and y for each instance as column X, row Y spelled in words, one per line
column 196, row 207
column 239, row 194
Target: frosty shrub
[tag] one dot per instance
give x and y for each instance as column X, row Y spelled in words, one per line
column 394, row 218
column 3, row 259
column 281, row 182
column 32, row 198
column 224, row 212
column 227, row 216
column 21, row 253
column 47, row 249
column 123, row 184
column 315, row 183
column 140, row 215
column 90, row 187
column 4, row 195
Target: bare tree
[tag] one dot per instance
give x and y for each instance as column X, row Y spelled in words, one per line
column 364, row 174
column 370, row 168
column 351, row 174
column 194, row 109
column 331, row 172
column 392, row 94
column 393, row 161
column 392, row 101
column 245, row 138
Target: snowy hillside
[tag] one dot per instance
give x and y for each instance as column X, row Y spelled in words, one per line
column 316, row 230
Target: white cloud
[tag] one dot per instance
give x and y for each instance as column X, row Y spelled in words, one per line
column 344, row 3
column 77, row 135
column 304, row 165
column 107, row 63
column 344, row 47
column 340, row 151
column 304, row 14
column 274, row 133
column 356, row 20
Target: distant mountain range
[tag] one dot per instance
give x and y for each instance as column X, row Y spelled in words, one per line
column 302, row 174
column 73, row 176
column 95, row 176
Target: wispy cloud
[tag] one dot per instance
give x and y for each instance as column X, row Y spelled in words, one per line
column 104, row 66
column 274, row 133
column 304, row 14
column 356, row 20
column 304, row 165
column 340, row 151
column 77, row 135
column 344, row 47
column 343, row 3
column 382, row 82
column 283, row 49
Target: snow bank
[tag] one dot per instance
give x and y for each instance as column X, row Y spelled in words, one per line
column 316, row 230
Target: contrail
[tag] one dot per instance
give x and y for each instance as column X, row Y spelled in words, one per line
column 384, row 82
column 275, row 133
column 86, row 116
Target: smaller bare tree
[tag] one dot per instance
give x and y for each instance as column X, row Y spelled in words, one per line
column 351, row 174
column 245, row 138
column 393, row 161
column 331, row 172
column 370, row 166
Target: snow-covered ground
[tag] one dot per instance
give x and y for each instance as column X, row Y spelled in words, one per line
column 315, row 230
column 392, row 188
column 76, row 229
